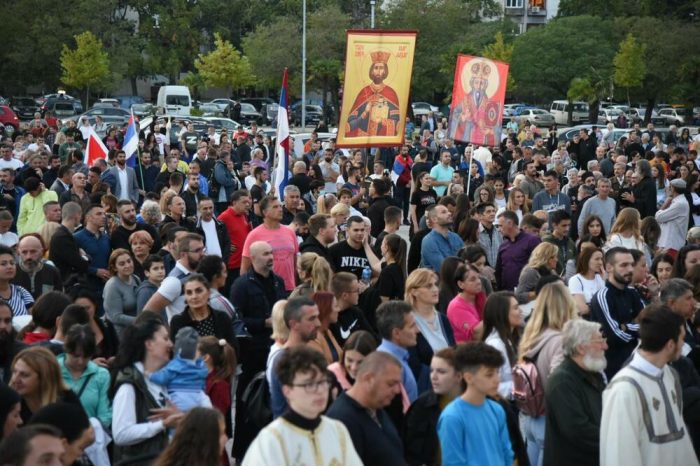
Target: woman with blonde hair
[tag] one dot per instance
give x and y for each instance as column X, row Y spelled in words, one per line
column 280, row 334
column 166, row 200
column 542, row 343
column 325, row 203
column 36, row 377
column 315, row 274
column 422, row 293
column 46, row 231
column 626, row 232
column 141, row 243
column 517, row 202
column 340, row 213
column 543, row 262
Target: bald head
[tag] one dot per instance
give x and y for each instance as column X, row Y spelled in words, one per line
column 376, row 363
column 30, row 250
column 261, row 257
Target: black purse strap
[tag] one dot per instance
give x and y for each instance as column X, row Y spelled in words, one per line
column 85, row 382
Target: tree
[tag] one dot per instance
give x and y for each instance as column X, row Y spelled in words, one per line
column 224, row 66
column 629, row 63
column 85, row 66
column 501, row 51
column 546, row 59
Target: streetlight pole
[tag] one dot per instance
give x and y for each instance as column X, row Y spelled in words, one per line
column 303, row 67
column 371, row 12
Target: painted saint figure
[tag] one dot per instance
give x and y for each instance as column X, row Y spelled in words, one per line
column 476, row 118
column 375, row 111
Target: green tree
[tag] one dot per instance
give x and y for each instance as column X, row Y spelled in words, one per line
column 224, row 66
column 629, row 63
column 85, row 66
column 501, row 51
column 547, row 59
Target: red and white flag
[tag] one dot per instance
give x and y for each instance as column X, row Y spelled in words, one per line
column 94, row 149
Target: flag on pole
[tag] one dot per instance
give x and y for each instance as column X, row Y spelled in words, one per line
column 131, row 142
column 397, row 171
column 94, row 149
column 281, row 174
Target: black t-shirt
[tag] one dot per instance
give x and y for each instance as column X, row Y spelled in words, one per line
column 190, row 138
column 345, row 258
column 419, row 167
column 422, row 200
column 391, row 282
column 350, row 320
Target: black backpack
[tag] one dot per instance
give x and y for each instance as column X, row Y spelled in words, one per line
column 256, row 399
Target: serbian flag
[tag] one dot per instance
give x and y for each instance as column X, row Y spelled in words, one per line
column 131, row 142
column 397, row 171
column 281, row 174
column 94, row 149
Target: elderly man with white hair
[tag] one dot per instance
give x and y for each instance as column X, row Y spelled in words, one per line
column 574, row 397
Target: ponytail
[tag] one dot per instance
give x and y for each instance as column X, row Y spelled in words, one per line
column 320, row 274
column 222, row 355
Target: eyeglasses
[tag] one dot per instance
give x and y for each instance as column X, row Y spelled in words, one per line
column 312, row 387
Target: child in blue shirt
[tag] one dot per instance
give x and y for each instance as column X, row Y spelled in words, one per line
column 472, row 429
column 185, row 375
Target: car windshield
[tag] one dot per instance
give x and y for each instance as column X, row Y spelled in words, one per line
column 580, row 108
column 177, row 100
column 63, row 106
column 23, row 102
column 247, row 107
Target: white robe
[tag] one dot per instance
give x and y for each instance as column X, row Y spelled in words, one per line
column 282, row 443
column 642, row 421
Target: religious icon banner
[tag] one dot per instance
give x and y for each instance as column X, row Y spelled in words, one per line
column 477, row 101
column 378, row 67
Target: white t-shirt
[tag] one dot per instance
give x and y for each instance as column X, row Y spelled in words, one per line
column 211, row 239
column 578, row 284
column 12, row 163
column 123, row 184
column 483, row 155
column 171, row 289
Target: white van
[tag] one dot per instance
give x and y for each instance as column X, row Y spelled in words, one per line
column 560, row 110
column 174, row 100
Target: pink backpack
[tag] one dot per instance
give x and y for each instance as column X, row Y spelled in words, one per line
column 528, row 386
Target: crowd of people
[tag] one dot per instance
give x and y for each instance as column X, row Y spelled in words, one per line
column 183, row 312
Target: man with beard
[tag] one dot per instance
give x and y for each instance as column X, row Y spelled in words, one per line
column 330, row 171
column 440, row 242
column 126, row 187
column 128, row 225
column 642, row 421
column 33, row 274
column 190, row 250
column 301, row 316
column 616, row 307
column 574, row 397
column 9, row 344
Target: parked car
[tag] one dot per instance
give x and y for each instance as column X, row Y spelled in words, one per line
column 8, row 117
column 225, row 105
column 510, row 109
column 210, row 109
column 672, row 116
column 536, row 116
column 221, row 122
column 141, row 110
column 109, row 101
column 174, row 100
column 423, row 108
column 128, row 101
column 560, row 110
column 62, row 104
column 567, row 134
column 109, row 114
column 249, row 114
column 314, row 114
column 257, row 102
column 608, row 115
column 24, row 107
column 269, row 113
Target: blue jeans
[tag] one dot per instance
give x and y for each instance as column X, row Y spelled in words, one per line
column 533, row 433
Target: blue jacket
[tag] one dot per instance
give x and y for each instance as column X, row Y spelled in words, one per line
column 181, row 373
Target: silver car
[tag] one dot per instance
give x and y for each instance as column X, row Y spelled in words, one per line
column 536, row 116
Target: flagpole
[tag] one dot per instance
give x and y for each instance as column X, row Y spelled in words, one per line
column 138, row 152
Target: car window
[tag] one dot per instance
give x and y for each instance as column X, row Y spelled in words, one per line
column 247, row 107
column 177, row 100
column 64, row 106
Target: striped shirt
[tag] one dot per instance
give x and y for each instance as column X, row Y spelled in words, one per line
column 20, row 300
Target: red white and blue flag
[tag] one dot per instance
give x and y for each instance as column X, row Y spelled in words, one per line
column 131, row 142
column 94, row 148
column 281, row 175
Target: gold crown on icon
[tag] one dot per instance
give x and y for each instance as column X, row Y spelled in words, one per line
column 380, row 56
column 481, row 69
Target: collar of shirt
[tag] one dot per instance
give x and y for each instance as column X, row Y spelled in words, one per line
column 638, row 362
column 395, row 350
column 179, row 265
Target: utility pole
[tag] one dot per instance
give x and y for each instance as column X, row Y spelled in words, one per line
column 303, row 67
